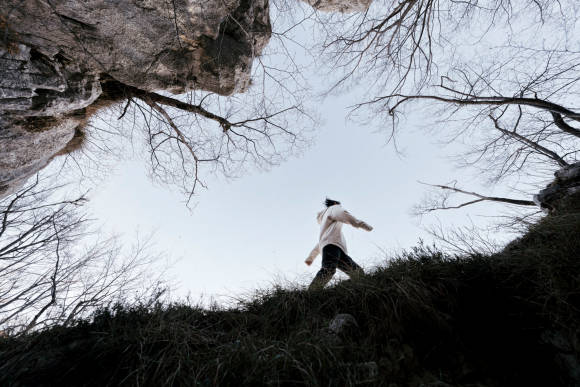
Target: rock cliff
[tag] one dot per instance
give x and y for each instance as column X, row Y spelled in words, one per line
column 344, row 6
column 57, row 56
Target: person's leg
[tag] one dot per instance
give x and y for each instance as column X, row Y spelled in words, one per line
column 330, row 256
column 348, row 266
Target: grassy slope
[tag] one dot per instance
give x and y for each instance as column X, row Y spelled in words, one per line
column 504, row 320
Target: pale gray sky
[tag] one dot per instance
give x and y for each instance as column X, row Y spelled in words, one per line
column 249, row 232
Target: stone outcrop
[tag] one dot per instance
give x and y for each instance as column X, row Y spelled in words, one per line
column 56, row 58
column 344, row 6
column 563, row 194
column 149, row 44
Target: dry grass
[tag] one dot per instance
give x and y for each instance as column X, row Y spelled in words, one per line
column 423, row 318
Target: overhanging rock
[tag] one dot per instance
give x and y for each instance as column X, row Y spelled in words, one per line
column 55, row 56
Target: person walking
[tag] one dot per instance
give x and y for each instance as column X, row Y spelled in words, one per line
column 332, row 244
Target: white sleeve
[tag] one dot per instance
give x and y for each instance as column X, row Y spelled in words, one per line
column 313, row 254
column 341, row 215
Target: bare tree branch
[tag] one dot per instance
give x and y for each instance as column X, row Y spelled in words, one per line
column 560, row 123
column 480, row 198
column 45, row 276
column 487, row 101
column 158, row 98
column 534, row 145
column 53, row 284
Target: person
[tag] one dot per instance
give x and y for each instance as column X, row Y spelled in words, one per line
column 333, row 245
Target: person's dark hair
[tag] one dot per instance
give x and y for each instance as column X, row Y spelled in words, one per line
column 330, row 202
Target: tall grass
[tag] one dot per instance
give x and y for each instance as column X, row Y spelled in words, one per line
column 424, row 318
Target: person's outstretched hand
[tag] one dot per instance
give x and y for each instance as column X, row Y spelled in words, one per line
column 366, row 226
column 307, row 262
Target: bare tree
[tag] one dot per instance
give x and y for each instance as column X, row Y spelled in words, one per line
column 401, row 44
column 47, row 277
column 392, row 39
column 201, row 48
column 499, row 75
column 189, row 136
column 529, row 132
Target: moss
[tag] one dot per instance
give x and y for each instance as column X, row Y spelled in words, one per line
column 8, row 38
column 76, row 143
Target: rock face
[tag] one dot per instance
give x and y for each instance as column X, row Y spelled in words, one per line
column 148, row 44
column 56, row 56
column 563, row 194
column 344, row 6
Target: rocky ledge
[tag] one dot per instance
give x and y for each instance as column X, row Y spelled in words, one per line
column 56, row 56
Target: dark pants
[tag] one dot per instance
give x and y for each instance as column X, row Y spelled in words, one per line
column 333, row 257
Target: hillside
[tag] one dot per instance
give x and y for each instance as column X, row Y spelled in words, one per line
column 424, row 319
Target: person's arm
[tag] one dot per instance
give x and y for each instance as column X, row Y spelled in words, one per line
column 313, row 254
column 341, row 215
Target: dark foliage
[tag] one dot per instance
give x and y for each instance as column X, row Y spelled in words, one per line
column 424, row 319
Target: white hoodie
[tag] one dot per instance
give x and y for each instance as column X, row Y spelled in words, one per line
column 331, row 221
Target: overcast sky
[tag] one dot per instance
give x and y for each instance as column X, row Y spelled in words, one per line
column 250, row 232
column 256, row 230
